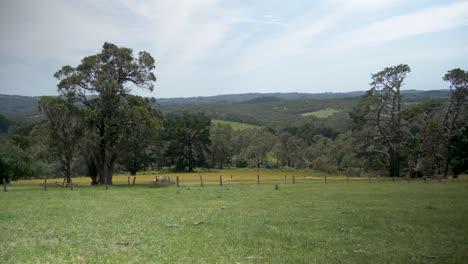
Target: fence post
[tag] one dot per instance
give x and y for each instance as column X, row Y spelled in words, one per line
column 134, row 179
column 105, row 182
column 45, row 183
column 128, row 179
column 294, row 179
column 201, row 180
column 177, row 180
column 4, row 185
column 369, row 178
column 71, row 184
column 347, row 178
column 231, row 177
column 220, row 180
column 258, row 179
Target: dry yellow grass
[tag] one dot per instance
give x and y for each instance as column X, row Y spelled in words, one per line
column 212, row 176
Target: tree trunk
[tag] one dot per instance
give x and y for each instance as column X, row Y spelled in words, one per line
column 447, row 161
column 68, row 172
column 394, row 162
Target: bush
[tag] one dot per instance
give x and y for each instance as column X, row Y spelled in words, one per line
column 241, row 163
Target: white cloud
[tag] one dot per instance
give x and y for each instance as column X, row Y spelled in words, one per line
column 364, row 4
column 292, row 41
column 422, row 22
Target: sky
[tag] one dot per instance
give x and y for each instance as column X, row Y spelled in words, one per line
column 212, row 47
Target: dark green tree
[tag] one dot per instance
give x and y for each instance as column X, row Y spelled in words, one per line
column 15, row 163
column 187, row 141
column 459, row 153
column 4, row 124
column 102, row 83
column 142, row 127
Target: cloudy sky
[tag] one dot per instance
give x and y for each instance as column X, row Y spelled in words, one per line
column 210, row 47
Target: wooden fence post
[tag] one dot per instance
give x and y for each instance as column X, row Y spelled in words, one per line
column 177, row 180
column 325, row 178
column 45, row 183
column 258, row 179
column 220, row 180
column 71, row 184
column 201, row 180
column 294, row 179
column 4, row 185
column 134, row 179
column 128, row 179
column 231, row 177
column 105, row 182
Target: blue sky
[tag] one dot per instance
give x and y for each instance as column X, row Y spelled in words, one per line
column 210, row 47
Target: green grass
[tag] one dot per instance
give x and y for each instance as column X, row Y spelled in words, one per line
column 234, row 125
column 309, row 222
column 324, row 113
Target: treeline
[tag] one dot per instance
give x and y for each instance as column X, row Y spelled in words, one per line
column 96, row 127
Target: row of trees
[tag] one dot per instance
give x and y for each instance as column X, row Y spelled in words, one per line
column 96, row 126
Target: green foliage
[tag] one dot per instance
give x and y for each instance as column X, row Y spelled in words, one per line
column 221, row 149
column 186, row 141
column 142, row 129
column 4, row 124
column 15, row 163
column 261, row 144
column 64, row 129
column 459, row 153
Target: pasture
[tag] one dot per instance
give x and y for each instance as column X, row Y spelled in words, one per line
column 240, row 222
column 324, row 113
column 234, row 125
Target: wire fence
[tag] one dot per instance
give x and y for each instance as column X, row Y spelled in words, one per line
column 212, row 179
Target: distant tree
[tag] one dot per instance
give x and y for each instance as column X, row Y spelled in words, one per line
column 4, row 124
column 421, row 149
column 15, row 163
column 261, row 144
column 289, row 150
column 379, row 116
column 64, row 130
column 102, row 83
column 458, row 80
column 221, row 149
column 459, row 153
column 342, row 152
column 142, row 127
column 187, row 139
column 307, row 131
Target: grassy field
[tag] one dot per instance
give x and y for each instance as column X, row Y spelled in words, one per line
column 324, row 113
column 234, row 125
column 307, row 222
